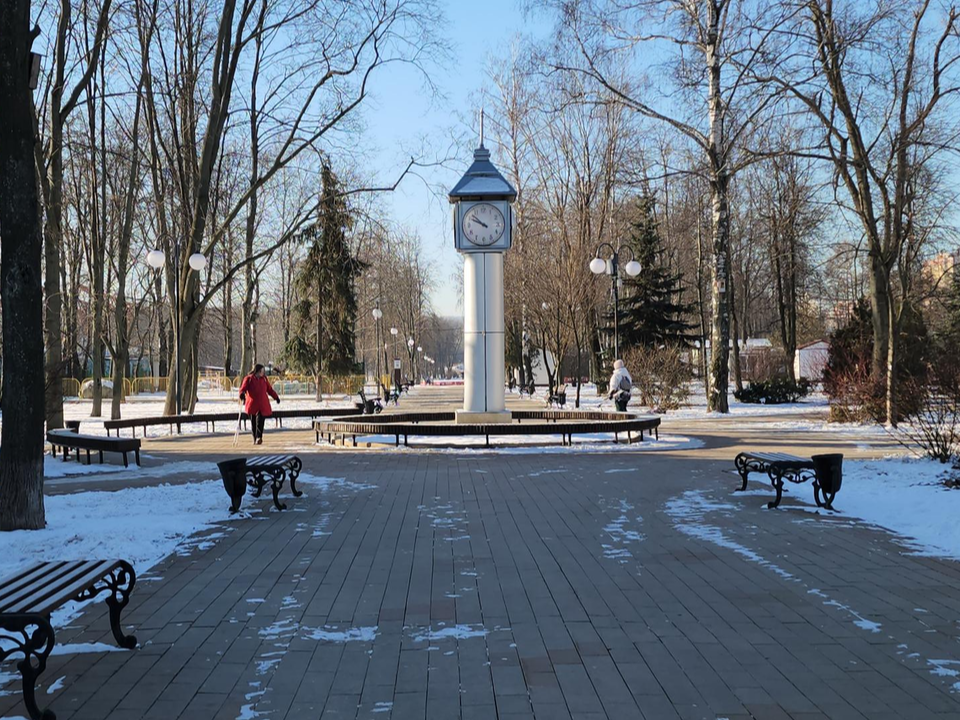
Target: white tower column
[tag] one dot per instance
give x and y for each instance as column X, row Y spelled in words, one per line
column 483, row 339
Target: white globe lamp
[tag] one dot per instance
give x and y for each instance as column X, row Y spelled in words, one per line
column 633, row 268
column 197, row 262
column 598, row 266
column 156, row 259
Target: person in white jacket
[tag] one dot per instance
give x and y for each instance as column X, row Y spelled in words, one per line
column 620, row 385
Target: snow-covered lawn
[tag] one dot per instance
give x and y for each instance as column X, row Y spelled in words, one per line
column 152, row 406
column 906, row 496
column 523, row 444
column 142, row 525
column 695, row 406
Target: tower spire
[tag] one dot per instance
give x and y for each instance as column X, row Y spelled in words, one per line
column 481, row 127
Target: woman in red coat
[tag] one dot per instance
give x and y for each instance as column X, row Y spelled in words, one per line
column 256, row 391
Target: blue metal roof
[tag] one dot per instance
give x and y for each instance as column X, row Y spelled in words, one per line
column 482, row 181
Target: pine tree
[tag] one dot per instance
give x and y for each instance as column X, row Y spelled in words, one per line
column 324, row 338
column 651, row 309
column 949, row 335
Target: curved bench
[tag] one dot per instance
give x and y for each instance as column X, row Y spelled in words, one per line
column 211, row 419
column 565, row 423
column 68, row 440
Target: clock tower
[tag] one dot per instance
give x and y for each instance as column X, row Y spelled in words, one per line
column 482, row 229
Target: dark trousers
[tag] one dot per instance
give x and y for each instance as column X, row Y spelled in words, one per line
column 256, row 425
column 621, row 401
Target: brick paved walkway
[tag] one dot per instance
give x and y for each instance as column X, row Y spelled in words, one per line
column 508, row 586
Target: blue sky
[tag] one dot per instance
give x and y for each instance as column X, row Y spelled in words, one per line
column 402, row 113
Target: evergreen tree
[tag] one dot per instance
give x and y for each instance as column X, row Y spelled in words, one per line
column 651, row 309
column 949, row 334
column 325, row 312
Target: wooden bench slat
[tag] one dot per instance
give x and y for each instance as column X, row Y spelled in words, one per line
column 46, row 602
column 775, row 457
column 47, row 588
column 26, row 577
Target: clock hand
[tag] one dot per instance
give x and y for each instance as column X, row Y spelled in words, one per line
column 478, row 220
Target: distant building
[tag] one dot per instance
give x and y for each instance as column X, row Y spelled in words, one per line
column 811, row 360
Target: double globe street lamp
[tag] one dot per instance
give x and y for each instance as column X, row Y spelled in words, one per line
column 396, row 358
column 611, row 266
column 377, row 315
column 197, row 262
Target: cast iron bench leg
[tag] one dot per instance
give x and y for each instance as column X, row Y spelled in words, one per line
column 776, row 477
column 136, row 454
column 35, row 642
column 295, row 466
column 741, row 462
column 257, row 481
column 827, row 497
column 125, row 463
column 118, row 585
column 101, row 457
column 276, row 483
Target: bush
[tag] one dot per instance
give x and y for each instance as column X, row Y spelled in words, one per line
column 661, row 376
column 855, row 394
column 932, row 424
column 774, row 392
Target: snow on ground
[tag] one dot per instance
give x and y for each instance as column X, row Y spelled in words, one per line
column 525, row 444
column 691, row 512
column 695, row 406
column 152, row 406
column 142, row 525
column 455, row 632
column 906, row 496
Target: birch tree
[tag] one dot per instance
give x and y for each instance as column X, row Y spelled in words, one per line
column 698, row 93
column 881, row 83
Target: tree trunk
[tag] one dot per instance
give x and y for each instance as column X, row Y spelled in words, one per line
column 717, row 400
column 737, row 371
column 881, row 313
column 53, row 301
column 228, row 332
column 21, row 245
column 892, row 358
column 121, row 344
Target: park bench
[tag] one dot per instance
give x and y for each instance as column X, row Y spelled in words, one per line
column 28, row 597
column 68, row 440
column 558, row 397
column 210, row 420
column 273, row 469
column 824, row 470
column 368, row 406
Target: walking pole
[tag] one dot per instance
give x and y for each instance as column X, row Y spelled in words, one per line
column 236, row 435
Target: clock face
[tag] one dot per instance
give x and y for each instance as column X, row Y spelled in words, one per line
column 483, row 224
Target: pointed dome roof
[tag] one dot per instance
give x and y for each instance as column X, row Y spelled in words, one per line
column 482, row 181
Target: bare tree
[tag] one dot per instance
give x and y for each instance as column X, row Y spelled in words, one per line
column 60, row 105
column 708, row 102
column 881, row 83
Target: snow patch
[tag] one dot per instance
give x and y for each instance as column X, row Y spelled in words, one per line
column 688, row 512
column 456, row 632
column 331, row 633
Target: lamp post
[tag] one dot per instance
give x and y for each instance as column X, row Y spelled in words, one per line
column 396, row 360
column 377, row 315
column 197, row 262
column 611, row 266
column 413, row 367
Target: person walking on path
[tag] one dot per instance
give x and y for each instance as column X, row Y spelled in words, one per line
column 255, row 393
column 620, row 385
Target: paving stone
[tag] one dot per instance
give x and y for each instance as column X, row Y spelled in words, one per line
column 682, row 627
